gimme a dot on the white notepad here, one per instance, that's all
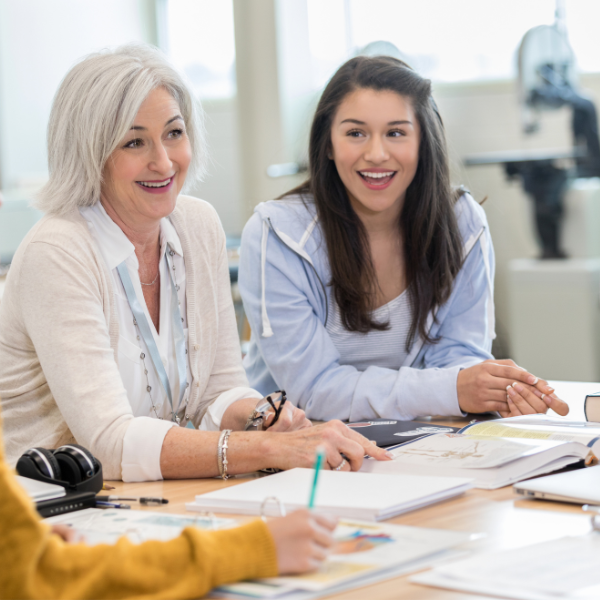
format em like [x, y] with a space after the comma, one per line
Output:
[349, 495]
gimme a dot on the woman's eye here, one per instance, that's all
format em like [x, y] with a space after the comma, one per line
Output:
[137, 143]
[354, 133]
[175, 133]
[396, 133]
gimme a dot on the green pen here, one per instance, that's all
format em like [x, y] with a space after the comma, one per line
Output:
[318, 465]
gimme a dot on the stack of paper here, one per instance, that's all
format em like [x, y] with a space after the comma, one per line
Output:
[364, 554]
[344, 494]
[556, 570]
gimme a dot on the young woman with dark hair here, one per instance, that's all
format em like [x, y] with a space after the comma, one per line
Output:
[369, 288]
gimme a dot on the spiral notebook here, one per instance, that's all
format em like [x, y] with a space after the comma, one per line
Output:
[364, 496]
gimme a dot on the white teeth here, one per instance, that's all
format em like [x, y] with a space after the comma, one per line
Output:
[154, 184]
[376, 175]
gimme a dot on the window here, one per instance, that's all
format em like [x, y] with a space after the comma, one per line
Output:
[201, 44]
[462, 40]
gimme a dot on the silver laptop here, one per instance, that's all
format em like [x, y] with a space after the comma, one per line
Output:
[581, 486]
[40, 490]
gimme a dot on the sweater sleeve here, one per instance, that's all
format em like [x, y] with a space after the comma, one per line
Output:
[37, 564]
[227, 377]
[62, 311]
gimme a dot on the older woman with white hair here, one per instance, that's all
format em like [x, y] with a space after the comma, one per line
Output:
[117, 328]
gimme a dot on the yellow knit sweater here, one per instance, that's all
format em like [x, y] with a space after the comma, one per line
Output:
[36, 564]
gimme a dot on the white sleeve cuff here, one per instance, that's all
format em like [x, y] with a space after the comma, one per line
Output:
[213, 416]
[142, 446]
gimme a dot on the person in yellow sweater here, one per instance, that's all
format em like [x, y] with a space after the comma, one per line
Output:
[38, 563]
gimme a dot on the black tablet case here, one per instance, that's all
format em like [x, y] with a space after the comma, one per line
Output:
[387, 432]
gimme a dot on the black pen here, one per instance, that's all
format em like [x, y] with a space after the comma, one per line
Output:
[103, 504]
[147, 501]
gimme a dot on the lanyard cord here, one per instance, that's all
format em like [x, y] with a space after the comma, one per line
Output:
[144, 328]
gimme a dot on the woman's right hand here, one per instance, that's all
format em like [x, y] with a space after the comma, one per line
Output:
[302, 540]
[298, 448]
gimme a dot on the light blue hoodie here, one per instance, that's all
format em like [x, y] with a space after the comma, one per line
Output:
[284, 279]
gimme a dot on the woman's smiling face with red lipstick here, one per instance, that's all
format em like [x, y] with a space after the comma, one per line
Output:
[375, 146]
[144, 175]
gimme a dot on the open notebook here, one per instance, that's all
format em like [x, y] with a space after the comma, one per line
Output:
[350, 495]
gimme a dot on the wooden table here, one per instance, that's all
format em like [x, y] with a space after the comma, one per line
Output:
[506, 520]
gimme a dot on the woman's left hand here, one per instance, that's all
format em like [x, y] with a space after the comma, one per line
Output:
[291, 418]
[527, 400]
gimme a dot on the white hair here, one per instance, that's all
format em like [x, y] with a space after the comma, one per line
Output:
[93, 110]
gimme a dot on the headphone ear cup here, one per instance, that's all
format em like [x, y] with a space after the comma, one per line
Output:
[39, 461]
[77, 463]
[70, 469]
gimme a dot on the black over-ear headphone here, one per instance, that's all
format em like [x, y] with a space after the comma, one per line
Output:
[72, 466]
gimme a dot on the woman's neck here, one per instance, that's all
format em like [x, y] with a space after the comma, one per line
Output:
[381, 225]
[145, 238]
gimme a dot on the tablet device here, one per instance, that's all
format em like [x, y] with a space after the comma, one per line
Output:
[40, 490]
[581, 486]
[388, 432]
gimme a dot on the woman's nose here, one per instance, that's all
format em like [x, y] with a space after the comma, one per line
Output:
[160, 160]
[376, 151]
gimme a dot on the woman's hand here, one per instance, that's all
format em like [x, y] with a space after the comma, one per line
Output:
[298, 448]
[302, 540]
[485, 387]
[63, 531]
[522, 400]
[291, 418]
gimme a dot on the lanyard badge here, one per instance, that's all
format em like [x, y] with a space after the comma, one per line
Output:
[143, 326]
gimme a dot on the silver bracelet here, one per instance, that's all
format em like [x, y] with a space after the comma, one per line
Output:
[222, 453]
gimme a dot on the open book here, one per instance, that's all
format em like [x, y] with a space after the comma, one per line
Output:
[496, 453]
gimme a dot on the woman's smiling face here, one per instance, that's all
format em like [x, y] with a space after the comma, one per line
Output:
[144, 175]
[375, 139]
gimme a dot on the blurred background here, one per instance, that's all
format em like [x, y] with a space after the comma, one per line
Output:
[258, 67]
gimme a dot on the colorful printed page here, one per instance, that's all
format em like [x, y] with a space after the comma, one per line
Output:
[539, 427]
[106, 526]
[362, 549]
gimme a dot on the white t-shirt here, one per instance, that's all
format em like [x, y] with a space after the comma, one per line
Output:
[376, 348]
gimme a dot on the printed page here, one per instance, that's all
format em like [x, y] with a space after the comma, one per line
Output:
[106, 526]
[361, 550]
[454, 450]
[539, 427]
[567, 567]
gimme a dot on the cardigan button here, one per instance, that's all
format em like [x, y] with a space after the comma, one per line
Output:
[196, 346]
[197, 384]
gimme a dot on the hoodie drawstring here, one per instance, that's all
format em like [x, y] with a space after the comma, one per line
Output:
[491, 318]
[266, 324]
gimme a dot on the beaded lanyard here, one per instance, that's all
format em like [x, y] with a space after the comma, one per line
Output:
[141, 322]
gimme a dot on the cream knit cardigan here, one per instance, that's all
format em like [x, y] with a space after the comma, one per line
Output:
[59, 334]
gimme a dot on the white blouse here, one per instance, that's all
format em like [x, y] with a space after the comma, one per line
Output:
[145, 435]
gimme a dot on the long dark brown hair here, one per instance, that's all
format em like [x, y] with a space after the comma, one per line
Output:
[427, 224]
